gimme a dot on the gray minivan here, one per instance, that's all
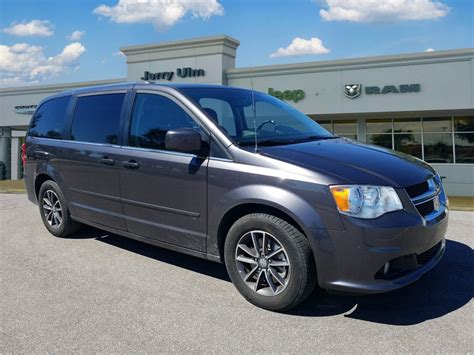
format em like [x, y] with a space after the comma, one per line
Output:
[238, 177]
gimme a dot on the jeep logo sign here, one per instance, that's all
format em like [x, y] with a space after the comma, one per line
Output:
[293, 95]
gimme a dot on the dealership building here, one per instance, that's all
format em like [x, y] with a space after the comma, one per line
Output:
[418, 103]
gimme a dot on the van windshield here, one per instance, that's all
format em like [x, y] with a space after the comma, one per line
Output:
[272, 121]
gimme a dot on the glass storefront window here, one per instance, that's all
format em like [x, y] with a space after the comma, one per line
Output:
[427, 138]
[346, 128]
[326, 124]
[383, 140]
[464, 147]
[464, 124]
[343, 128]
[438, 147]
[407, 125]
[437, 125]
[378, 126]
[464, 139]
[409, 143]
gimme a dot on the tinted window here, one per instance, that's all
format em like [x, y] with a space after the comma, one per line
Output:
[97, 118]
[153, 116]
[49, 119]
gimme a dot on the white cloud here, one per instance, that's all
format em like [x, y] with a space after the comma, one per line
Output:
[430, 50]
[118, 54]
[76, 35]
[22, 63]
[300, 46]
[41, 28]
[161, 13]
[383, 10]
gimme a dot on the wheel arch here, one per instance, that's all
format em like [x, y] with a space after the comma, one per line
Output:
[236, 212]
[40, 180]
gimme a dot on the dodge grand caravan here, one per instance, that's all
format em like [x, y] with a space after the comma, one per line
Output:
[238, 177]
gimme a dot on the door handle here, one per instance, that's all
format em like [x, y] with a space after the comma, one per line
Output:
[131, 164]
[107, 161]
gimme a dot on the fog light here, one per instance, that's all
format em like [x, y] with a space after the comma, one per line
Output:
[386, 267]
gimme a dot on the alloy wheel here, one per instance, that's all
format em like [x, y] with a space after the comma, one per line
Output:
[52, 208]
[262, 262]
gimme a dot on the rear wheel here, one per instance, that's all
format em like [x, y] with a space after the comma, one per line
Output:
[269, 261]
[54, 211]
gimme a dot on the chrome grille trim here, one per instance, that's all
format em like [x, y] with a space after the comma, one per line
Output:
[433, 190]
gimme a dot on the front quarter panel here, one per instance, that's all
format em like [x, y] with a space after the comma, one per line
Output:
[232, 184]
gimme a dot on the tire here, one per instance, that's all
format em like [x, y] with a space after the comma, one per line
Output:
[276, 288]
[54, 211]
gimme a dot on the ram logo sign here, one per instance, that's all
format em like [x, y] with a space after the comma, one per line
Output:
[392, 89]
[352, 90]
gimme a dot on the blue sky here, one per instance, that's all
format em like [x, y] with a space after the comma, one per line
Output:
[35, 48]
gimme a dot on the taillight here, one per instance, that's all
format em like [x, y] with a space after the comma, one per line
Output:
[23, 154]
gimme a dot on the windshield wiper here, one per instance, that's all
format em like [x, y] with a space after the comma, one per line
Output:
[313, 138]
[270, 142]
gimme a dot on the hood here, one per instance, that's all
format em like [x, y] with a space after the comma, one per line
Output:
[354, 162]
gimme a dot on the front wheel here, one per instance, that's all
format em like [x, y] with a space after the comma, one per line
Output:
[269, 261]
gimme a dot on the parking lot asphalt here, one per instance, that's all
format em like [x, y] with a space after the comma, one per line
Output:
[97, 292]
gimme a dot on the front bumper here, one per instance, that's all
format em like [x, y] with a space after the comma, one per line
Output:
[380, 255]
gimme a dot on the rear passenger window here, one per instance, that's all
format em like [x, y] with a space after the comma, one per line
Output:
[97, 118]
[48, 121]
[153, 116]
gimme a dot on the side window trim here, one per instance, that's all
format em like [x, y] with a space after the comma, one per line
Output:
[127, 118]
[127, 103]
[69, 115]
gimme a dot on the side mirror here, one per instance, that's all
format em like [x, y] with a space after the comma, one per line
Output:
[185, 140]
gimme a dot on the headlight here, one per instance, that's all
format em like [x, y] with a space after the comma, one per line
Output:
[365, 201]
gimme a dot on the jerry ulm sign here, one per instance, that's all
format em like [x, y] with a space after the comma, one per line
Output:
[168, 75]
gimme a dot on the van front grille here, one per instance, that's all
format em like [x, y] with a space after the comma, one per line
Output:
[418, 189]
[425, 208]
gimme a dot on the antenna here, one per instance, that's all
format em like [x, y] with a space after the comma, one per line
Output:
[254, 108]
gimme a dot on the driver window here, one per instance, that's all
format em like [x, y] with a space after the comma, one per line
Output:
[221, 112]
[153, 116]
